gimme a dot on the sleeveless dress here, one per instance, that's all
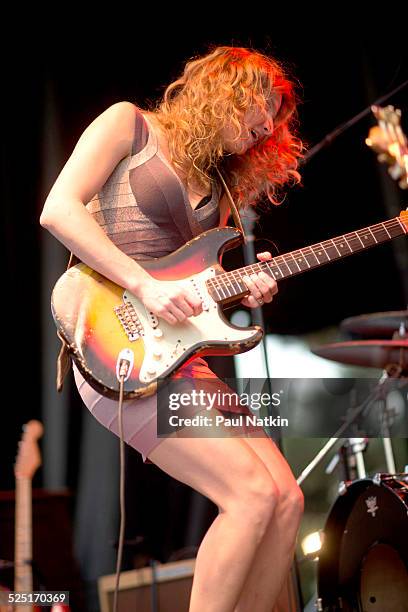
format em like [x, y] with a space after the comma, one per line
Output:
[144, 209]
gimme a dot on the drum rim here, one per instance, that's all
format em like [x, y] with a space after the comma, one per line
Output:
[337, 517]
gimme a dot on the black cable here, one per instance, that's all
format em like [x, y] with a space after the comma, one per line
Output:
[257, 313]
[347, 124]
[121, 486]
[154, 593]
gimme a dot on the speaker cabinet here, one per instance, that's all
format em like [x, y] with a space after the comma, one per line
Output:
[173, 584]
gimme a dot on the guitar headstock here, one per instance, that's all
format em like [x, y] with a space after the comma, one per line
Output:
[403, 217]
[28, 458]
[388, 139]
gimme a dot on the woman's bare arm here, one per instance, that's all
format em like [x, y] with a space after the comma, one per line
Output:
[104, 143]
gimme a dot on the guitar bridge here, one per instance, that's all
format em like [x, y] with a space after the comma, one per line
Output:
[130, 321]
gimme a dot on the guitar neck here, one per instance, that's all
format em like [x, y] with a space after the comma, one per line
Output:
[23, 580]
[229, 286]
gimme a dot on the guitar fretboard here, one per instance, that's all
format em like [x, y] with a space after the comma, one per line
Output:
[23, 542]
[230, 286]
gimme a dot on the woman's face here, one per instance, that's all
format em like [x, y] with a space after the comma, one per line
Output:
[257, 126]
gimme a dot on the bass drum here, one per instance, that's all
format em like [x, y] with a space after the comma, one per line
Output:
[363, 563]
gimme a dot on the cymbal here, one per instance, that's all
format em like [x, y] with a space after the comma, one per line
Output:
[369, 353]
[377, 324]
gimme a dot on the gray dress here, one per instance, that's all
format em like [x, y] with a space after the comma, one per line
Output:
[144, 209]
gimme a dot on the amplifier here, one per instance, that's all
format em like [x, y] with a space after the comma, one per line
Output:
[173, 588]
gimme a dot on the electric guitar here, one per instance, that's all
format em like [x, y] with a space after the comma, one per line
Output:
[27, 462]
[390, 142]
[98, 319]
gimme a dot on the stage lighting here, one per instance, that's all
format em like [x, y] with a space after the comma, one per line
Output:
[312, 543]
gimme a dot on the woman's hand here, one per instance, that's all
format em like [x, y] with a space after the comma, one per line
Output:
[168, 300]
[262, 286]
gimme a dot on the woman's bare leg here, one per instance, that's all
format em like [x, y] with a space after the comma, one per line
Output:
[269, 571]
[232, 475]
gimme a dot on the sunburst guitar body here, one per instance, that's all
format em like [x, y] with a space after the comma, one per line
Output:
[98, 319]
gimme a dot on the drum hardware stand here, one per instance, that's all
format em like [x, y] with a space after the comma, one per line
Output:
[358, 446]
[387, 417]
[388, 414]
[350, 458]
[376, 394]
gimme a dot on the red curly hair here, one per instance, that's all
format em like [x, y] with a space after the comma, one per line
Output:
[221, 87]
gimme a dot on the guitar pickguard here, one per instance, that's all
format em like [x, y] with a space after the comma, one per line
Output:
[165, 344]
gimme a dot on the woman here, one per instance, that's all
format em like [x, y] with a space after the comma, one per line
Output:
[156, 184]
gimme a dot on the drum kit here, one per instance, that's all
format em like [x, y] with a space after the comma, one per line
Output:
[363, 562]
[389, 350]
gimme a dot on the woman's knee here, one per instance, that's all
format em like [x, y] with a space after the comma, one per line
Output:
[256, 495]
[291, 500]
[226, 471]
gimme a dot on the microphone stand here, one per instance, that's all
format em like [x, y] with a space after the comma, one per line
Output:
[248, 221]
[329, 138]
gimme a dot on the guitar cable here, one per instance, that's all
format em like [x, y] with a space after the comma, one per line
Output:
[124, 367]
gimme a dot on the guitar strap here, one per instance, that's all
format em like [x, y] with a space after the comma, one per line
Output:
[233, 207]
[63, 359]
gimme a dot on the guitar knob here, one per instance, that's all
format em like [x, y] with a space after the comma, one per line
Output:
[151, 371]
[157, 354]
[158, 333]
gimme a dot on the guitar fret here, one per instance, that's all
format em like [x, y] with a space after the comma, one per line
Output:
[241, 284]
[222, 288]
[216, 288]
[342, 241]
[383, 224]
[365, 238]
[354, 242]
[304, 258]
[228, 287]
[404, 229]
[331, 250]
[294, 259]
[311, 252]
[381, 233]
[238, 289]
[394, 230]
[282, 261]
[375, 239]
[256, 268]
[358, 236]
[335, 246]
[291, 263]
[266, 268]
[271, 270]
[235, 284]
[300, 260]
[321, 252]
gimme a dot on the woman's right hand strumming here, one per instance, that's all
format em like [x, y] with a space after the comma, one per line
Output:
[168, 300]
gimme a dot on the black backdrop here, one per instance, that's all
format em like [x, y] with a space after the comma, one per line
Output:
[342, 63]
